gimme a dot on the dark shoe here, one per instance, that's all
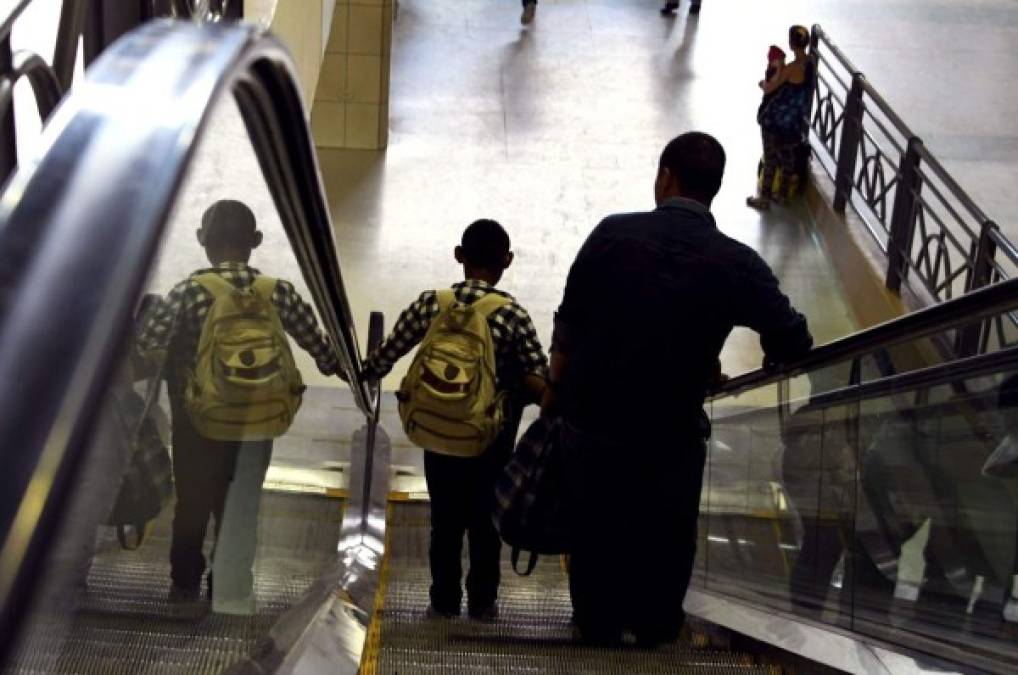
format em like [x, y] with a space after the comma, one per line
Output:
[186, 603]
[487, 614]
[432, 613]
[597, 637]
[655, 638]
[181, 594]
[669, 8]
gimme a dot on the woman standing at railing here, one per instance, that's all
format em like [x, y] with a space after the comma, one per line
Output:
[783, 121]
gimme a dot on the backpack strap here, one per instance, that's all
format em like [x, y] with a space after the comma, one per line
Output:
[265, 287]
[490, 303]
[446, 299]
[214, 284]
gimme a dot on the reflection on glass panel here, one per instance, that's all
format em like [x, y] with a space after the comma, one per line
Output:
[211, 498]
[818, 471]
[941, 514]
[750, 538]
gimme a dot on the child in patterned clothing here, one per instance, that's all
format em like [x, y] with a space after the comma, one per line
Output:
[218, 478]
[462, 488]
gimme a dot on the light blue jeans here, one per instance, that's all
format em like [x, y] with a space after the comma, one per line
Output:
[237, 543]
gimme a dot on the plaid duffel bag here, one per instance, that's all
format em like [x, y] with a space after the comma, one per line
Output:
[530, 500]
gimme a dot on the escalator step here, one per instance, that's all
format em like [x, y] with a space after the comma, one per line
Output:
[533, 633]
[123, 623]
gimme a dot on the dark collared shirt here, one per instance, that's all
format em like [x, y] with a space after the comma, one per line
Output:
[518, 350]
[176, 322]
[649, 302]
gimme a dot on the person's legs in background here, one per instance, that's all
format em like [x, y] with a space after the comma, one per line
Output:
[762, 201]
[785, 156]
[237, 530]
[529, 11]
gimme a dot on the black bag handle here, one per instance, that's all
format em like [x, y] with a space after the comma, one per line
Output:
[531, 562]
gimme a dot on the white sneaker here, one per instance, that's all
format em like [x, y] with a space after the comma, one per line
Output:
[1011, 606]
[1011, 611]
[529, 11]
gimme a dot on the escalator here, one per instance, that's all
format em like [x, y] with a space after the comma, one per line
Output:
[341, 567]
[533, 633]
[122, 621]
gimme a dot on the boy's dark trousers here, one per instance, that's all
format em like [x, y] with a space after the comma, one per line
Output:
[462, 491]
[202, 473]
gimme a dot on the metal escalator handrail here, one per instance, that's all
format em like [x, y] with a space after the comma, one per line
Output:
[979, 304]
[80, 226]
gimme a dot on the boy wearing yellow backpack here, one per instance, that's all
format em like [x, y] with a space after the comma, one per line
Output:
[233, 387]
[479, 363]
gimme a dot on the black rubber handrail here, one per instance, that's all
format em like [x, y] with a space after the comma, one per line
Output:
[979, 304]
[80, 227]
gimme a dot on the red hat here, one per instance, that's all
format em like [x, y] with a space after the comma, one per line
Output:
[775, 53]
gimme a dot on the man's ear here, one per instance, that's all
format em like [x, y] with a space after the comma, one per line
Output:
[458, 254]
[200, 233]
[666, 177]
[256, 240]
[508, 260]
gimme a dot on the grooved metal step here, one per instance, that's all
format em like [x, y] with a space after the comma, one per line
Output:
[533, 633]
[121, 621]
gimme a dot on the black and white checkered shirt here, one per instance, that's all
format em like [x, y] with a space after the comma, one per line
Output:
[188, 304]
[518, 350]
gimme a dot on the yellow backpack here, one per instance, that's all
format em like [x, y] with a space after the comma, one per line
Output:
[245, 385]
[448, 401]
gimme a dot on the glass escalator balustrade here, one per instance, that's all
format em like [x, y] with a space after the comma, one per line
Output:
[874, 508]
[212, 495]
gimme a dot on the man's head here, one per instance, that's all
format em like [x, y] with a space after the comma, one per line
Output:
[691, 166]
[228, 232]
[484, 251]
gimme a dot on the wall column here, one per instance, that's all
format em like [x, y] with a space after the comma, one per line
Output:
[351, 107]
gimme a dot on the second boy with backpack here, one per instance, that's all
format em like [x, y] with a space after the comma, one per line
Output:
[233, 388]
[463, 414]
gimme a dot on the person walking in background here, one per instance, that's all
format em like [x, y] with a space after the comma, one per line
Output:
[648, 305]
[529, 12]
[212, 476]
[783, 122]
[670, 7]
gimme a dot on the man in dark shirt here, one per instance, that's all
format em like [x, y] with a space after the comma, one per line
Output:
[649, 302]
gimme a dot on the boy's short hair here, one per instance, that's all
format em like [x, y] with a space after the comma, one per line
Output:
[697, 161]
[485, 244]
[228, 221]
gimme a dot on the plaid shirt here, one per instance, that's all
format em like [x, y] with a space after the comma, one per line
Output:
[518, 350]
[188, 304]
